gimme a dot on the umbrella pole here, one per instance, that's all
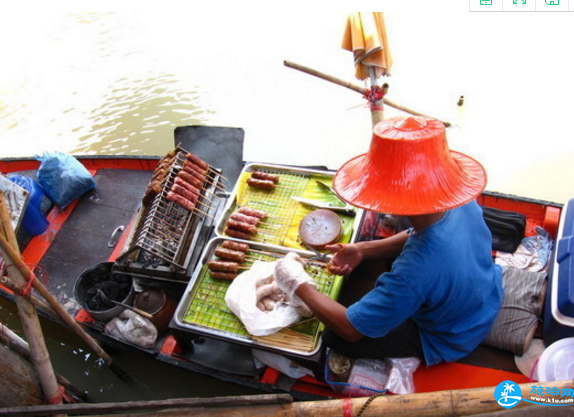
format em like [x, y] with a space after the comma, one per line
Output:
[377, 110]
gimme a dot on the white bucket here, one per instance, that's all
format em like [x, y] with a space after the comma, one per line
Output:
[557, 361]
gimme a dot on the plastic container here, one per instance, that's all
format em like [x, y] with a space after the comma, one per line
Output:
[559, 306]
[557, 361]
[367, 377]
[34, 222]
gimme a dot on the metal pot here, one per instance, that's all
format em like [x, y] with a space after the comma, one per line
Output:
[159, 305]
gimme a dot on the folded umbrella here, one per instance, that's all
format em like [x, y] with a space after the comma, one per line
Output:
[365, 35]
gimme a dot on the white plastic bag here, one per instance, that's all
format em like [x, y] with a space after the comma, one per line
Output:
[133, 328]
[241, 299]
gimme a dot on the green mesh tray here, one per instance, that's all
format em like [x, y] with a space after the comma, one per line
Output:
[283, 212]
[203, 309]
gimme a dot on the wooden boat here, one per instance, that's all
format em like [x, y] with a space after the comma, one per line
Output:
[96, 227]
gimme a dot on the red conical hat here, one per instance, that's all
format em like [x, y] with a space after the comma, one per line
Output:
[409, 170]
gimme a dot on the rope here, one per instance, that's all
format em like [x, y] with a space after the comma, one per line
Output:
[26, 290]
[376, 93]
[57, 399]
[371, 398]
[347, 407]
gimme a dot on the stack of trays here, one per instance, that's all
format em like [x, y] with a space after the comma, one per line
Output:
[202, 309]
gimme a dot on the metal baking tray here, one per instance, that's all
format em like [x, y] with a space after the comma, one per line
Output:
[202, 308]
[280, 227]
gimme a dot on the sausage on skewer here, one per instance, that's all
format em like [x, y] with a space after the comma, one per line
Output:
[230, 254]
[223, 275]
[182, 201]
[244, 218]
[248, 211]
[229, 244]
[196, 160]
[263, 184]
[237, 234]
[242, 227]
[265, 176]
[223, 266]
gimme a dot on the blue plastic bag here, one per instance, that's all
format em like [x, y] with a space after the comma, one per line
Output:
[63, 178]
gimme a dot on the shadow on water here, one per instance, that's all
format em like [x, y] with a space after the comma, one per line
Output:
[140, 115]
[147, 379]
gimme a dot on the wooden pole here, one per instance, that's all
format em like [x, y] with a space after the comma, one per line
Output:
[22, 348]
[466, 402]
[39, 355]
[356, 88]
[24, 271]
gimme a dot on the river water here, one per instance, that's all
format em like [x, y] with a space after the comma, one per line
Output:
[119, 83]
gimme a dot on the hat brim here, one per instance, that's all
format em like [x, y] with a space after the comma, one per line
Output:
[370, 188]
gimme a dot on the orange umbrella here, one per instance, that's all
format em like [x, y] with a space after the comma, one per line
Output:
[366, 37]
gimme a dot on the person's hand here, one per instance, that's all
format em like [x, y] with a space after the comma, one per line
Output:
[290, 274]
[346, 258]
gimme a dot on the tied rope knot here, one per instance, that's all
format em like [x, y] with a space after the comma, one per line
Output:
[57, 399]
[374, 94]
[26, 289]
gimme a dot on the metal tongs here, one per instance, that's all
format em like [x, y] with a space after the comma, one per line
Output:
[319, 256]
[345, 210]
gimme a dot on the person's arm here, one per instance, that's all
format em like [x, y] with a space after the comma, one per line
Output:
[384, 248]
[329, 312]
[348, 256]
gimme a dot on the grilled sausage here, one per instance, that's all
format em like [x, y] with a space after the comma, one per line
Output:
[194, 170]
[244, 218]
[196, 160]
[237, 234]
[263, 184]
[182, 201]
[182, 191]
[181, 182]
[248, 211]
[223, 266]
[238, 246]
[230, 254]
[223, 275]
[186, 176]
[242, 227]
[260, 175]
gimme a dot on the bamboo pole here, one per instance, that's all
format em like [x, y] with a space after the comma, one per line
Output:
[355, 88]
[39, 355]
[22, 348]
[466, 402]
[24, 271]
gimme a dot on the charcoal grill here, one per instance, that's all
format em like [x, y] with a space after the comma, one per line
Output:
[162, 242]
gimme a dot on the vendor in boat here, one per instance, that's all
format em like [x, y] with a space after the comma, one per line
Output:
[444, 291]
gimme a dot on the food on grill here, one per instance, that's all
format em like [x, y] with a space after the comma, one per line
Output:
[248, 211]
[263, 184]
[237, 234]
[186, 176]
[223, 266]
[195, 171]
[223, 275]
[242, 227]
[265, 176]
[153, 189]
[181, 182]
[230, 254]
[182, 201]
[185, 193]
[196, 160]
[244, 218]
[229, 244]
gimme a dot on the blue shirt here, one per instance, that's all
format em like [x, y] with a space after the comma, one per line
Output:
[445, 280]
